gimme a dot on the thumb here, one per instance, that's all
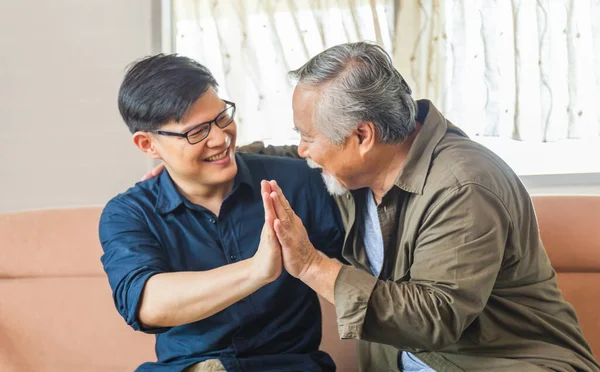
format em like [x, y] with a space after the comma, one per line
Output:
[264, 232]
[270, 232]
[280, 232]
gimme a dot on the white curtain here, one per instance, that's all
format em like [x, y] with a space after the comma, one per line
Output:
[520, 69]
[250, 45]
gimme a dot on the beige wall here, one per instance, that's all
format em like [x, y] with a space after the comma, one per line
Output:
[62, 141]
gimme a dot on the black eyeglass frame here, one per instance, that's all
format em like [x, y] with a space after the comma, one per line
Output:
[208, 124]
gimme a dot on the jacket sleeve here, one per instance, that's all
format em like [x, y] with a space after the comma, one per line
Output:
[458, 254]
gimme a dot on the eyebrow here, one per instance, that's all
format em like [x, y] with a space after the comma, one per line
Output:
[301, 132]
[191, 126]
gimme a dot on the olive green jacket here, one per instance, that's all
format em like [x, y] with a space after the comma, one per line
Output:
[466, 283]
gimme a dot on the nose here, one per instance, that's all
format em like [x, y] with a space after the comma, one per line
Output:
[218, 137]
[303, 150]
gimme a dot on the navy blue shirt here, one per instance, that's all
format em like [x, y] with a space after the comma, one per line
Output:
[152, 228]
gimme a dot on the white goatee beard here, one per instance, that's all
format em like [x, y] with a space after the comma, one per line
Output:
[334, 187]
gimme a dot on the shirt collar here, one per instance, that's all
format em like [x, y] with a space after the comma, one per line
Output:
[412, 176]
[169, 197]
[243, 175]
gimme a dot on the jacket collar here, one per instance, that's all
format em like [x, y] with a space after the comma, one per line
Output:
[413, 174]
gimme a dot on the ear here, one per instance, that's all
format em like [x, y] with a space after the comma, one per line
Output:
[146, 143]
[366, 136]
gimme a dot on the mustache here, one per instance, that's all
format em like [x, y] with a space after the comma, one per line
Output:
[313, 164]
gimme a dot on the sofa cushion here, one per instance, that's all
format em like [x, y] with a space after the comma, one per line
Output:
[569, 226]
[66, 324]
[58, 242]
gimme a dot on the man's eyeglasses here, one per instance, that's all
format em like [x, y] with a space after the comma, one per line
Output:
[201, 131]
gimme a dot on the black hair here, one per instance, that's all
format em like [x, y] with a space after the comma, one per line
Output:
[161, 88]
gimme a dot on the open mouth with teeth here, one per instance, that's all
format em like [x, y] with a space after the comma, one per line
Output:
[218, 157]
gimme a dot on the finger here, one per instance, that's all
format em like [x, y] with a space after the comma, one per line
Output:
[280, 231]
[284, 201]
[263, 232]
[270, 213]
[268, 233]
[155, 172]
[280, 211]
[265, 186]
[272, 236]
[159, 168]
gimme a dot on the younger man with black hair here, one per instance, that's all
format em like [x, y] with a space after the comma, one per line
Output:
[189, 255]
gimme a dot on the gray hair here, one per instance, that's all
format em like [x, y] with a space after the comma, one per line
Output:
[358, 83]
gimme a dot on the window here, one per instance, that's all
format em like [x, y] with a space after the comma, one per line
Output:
[251, 45]
[520, 76]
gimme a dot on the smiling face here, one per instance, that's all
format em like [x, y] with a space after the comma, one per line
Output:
[339, 162]
[211, 162]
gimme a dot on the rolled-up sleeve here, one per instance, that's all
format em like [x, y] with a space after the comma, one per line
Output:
[352, 291]
[457, 256]
[131, 256]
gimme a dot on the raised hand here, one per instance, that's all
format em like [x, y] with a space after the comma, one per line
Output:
[267, 261]
[298, 251]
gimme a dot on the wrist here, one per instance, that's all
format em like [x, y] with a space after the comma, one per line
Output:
[255, 274]
[321, 276]
[312, 268]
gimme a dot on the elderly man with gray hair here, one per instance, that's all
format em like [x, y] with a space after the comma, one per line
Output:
[448, 271]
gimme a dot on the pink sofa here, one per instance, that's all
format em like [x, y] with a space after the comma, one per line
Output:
[56, 311]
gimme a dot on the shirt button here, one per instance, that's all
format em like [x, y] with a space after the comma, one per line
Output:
[232, 257]
[212, 220]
